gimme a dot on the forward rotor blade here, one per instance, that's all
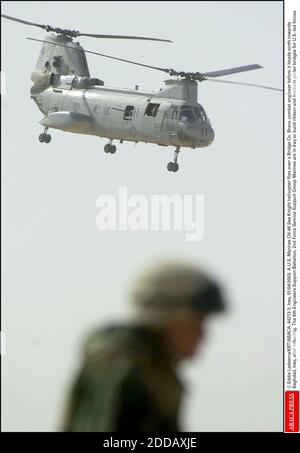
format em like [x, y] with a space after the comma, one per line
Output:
[124, 37]
[245, 84]
[223, 72]
[22, 21]
[103, 55]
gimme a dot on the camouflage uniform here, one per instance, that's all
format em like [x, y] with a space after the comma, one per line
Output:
[127, 383]
[128, 380]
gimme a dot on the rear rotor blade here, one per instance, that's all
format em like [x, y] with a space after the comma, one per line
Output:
[245, 84]
[103, 55]
[23, 21]
[74, 33]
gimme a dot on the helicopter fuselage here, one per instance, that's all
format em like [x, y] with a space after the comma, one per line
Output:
[122, 114]
[72, 101]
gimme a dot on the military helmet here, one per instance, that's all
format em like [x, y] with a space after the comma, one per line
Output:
[169, 289]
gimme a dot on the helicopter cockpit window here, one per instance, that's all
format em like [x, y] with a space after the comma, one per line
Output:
[151, 109]
[128, 112]
[200, 114]
[174, 115]
[186, 114]
[197, 113]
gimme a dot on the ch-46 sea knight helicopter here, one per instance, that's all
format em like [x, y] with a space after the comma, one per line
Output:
[72, 101]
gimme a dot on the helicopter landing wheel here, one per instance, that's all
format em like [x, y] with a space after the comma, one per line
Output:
[174, 166]
[44, 137]
[109, 148]
[47, 138]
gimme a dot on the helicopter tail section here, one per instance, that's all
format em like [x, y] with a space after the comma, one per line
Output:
[59, 55]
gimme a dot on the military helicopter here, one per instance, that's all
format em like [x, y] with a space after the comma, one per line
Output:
[72, 101]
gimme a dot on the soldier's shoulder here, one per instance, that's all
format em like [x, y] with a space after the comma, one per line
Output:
[114, 342]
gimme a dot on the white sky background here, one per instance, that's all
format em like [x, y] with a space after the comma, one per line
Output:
[61, 276]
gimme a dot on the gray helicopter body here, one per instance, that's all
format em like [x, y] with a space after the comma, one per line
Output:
[72, 101]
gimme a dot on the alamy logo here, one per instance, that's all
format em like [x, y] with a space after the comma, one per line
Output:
[152, 213]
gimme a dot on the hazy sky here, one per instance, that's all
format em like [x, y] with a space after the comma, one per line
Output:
[61, 276]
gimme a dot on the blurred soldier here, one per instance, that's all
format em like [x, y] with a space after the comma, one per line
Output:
[128, 380]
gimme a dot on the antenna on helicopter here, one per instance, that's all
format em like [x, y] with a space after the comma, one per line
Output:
[75, 34]
[197, 76]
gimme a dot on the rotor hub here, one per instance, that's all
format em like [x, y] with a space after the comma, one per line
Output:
[187, 75]
[62, 31]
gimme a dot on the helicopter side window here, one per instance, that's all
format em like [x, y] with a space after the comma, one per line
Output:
[151, 109]
[128, 112]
